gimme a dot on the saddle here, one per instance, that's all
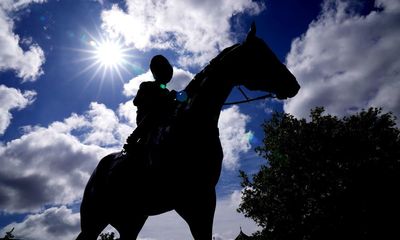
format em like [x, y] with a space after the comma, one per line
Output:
[146, 151]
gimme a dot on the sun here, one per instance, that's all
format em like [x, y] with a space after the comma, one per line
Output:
[105, 60]
[109, 53]
[109, 57]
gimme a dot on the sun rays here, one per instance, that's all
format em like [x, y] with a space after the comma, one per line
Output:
[105, 59]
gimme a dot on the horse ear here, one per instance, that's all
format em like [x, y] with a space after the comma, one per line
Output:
[252, 32]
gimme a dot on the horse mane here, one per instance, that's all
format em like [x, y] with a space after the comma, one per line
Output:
[196, 83]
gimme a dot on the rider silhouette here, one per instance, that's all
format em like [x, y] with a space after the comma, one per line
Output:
[153, 100]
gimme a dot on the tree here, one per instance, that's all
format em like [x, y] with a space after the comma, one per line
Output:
[9, 235]
[108, 236]
[328, 178]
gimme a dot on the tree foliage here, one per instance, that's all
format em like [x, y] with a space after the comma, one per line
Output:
[108, 236]
[9, 235]
[327, 178]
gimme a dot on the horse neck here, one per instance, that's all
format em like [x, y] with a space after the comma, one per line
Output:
[214, 87]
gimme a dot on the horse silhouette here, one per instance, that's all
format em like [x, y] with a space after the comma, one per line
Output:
[125, 189]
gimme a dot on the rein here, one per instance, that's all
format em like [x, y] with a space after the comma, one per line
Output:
[269, 95]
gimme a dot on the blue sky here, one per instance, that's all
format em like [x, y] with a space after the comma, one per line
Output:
[63, 106]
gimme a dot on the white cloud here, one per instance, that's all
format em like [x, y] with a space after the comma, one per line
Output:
[105, 127]
[346, 62]
[53, 223]
[27, 64]
[131, 88]
[15, 5]
[44, 167]
[11, 98]
[234, 137]
[197, 30]
[127, 112]
[61, 223]
[48, 166]
[179, 81]
[227, 223]
[99, 1]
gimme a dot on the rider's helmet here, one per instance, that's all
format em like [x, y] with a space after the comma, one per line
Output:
[161, 69]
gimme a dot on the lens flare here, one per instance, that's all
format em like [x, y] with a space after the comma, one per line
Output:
[181, 96]
[250, 137]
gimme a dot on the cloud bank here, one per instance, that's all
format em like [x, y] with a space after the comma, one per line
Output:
[64, 224]
[196, 30]
[26, 64]
[50, 166]
[346, 61]
[53, 223]
[11, 98]
[227, 223]
[233, 135]
[179, 81]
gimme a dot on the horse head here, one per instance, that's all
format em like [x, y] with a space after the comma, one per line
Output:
[260, 69]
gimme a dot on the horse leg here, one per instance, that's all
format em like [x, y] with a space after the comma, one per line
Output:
[199, 215]
[90, 231]
[129, 229]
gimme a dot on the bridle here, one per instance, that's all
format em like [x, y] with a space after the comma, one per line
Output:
[212, 66]
[268, 95]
